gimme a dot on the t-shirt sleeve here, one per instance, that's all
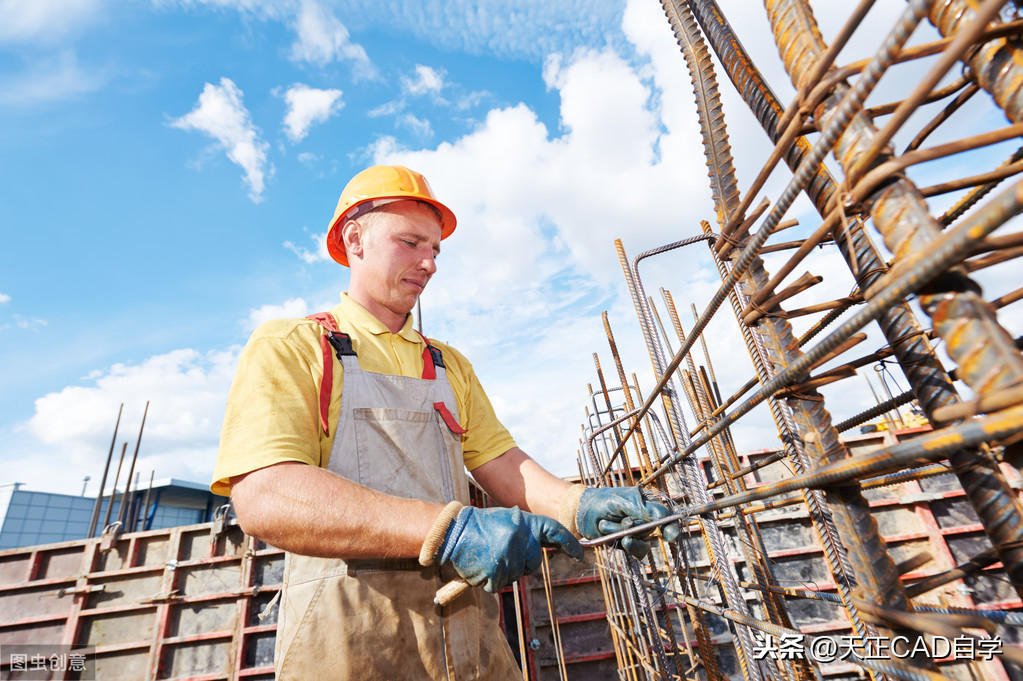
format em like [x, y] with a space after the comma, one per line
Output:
[271, 415]
[487, 438]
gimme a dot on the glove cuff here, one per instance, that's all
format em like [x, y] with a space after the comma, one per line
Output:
[569, 509]
[435, 537]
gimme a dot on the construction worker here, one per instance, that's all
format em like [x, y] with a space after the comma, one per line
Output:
[345, 443]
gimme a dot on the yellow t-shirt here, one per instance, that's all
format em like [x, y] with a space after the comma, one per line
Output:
[273, 411]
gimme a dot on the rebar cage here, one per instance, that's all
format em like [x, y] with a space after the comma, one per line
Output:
[916, 529]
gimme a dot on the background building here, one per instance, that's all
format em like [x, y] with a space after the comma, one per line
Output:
[29, 518]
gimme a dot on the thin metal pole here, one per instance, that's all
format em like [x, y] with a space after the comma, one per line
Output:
[103, 482]
[145, 501]
[887, 415]
[879, 368]
[113, 492]
[135, 509]
[122, 513]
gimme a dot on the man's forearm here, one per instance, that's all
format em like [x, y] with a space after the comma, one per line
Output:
[310, 511]
[514, 479]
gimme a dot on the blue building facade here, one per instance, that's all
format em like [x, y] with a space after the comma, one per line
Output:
[29, 518]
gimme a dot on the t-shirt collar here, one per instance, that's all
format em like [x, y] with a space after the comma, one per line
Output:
[363, 318]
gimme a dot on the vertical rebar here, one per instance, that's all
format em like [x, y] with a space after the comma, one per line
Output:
[122, 512]
[103, 481]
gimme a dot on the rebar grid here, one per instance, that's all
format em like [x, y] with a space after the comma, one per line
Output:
[703, 608]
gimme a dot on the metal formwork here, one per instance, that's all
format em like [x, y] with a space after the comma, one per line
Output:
[181, 603]
[197, 603]
[833, 542]
[556, 622]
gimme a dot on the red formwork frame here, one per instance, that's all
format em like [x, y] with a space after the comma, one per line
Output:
[68, 591]
[937, 539]
[68, 581]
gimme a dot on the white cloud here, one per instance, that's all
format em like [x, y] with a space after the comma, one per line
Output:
[529, 29]
[609, 172]
[34, 21]
[318, 254]
[306, 106]
[387, 108]
[534, 257]
[426, 81]
[265, 9]
[472, 100]
[321, 39]
[187, 391]
[50, 78]
[221, 115]
[289, 309]
[420, 128]
[28, 323]
[4, 298]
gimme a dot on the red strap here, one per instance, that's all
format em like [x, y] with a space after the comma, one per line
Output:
[429, 370]
[327, 321]
[430, 373]
[327, 384]
[449, 419]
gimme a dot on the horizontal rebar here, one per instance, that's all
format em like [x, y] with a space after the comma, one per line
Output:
[926, 448]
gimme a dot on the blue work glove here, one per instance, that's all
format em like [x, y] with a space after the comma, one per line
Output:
[496, 546]
[603, 510]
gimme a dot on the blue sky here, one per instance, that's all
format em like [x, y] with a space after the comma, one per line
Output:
[168, 168]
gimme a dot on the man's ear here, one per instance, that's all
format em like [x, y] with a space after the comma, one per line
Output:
[353, 239]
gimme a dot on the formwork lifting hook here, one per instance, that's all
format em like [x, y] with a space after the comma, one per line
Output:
[220, 522]
[110, 534]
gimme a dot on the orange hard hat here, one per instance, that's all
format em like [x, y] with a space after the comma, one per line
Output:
[375, 187]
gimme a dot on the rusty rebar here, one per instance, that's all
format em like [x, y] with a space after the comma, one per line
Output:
[935, 268]
[926, 448]
[926, 376]
[103, 482]
[986, 356]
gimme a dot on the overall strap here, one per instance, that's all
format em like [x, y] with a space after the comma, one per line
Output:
[433, 358]
[342, 346]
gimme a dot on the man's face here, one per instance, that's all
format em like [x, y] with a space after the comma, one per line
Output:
[395, 257]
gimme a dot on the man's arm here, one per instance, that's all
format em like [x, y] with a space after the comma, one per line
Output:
[308, 510]
[514, 479]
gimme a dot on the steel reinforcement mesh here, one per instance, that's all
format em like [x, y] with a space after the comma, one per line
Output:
[883, 542]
